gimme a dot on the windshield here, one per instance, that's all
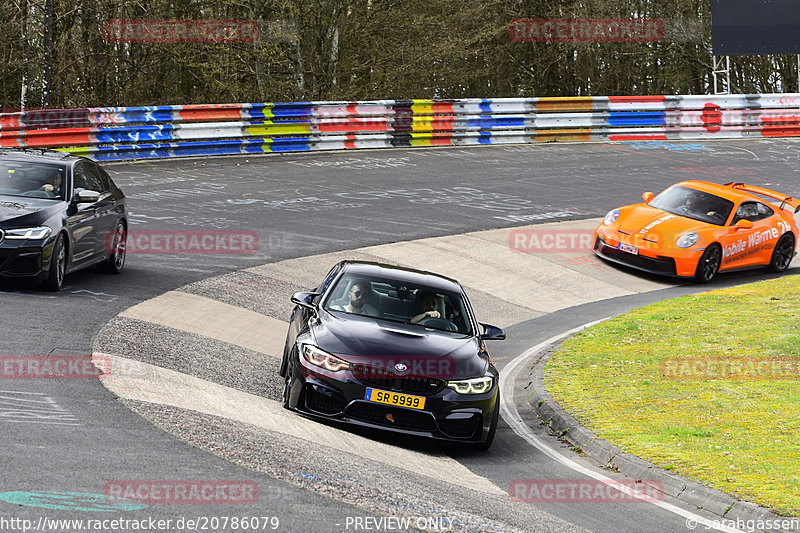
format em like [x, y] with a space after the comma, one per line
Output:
[37, 180]
[694, 204]
[399, 301]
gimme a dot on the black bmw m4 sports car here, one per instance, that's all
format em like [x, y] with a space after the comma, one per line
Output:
[58, 213]
[395, 349]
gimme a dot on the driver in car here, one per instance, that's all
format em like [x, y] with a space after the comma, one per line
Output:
[693, 206]
[428, 304]
[53, 182]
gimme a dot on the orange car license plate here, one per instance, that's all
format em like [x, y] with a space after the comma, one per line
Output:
[628, 248]
[395, 398]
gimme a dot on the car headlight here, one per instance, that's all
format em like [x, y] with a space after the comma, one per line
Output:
[472, 386]
[686, 240]
[323, 359]
[39, 232]
[611, 217]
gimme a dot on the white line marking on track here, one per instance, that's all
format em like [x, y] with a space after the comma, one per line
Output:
[33, 408]
[510, 414]
[48, 423]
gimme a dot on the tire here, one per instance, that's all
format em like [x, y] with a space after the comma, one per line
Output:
[492, 428]
[58, 266]
[709, 263]
[285, 357]
[287, 386]
[284, 365]
[783, 253]
[117, 250]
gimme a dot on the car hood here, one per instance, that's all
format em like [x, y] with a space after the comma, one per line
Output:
[426, 352]
[17, 212]
[642, 224]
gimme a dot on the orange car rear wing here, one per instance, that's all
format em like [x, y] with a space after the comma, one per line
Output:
[794, 202]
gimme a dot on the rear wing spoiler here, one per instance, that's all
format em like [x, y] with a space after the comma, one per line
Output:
[793, 202]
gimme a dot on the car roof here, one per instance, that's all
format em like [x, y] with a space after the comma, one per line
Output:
[725, 191]
[37, 155]
[411, 275]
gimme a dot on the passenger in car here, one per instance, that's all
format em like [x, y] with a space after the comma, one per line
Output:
[357, 304]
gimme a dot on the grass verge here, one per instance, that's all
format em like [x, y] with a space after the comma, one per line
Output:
[707, 386]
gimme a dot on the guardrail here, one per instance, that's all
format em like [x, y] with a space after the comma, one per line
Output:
[172, 131]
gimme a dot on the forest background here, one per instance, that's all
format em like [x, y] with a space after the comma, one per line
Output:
[56, 53]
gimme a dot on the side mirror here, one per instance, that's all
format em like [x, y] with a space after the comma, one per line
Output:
[87, 196]
[492, 333]
[305, 299]
[743, 224]
[647, 196]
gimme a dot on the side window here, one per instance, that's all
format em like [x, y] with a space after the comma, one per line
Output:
[97, 180]
[107, 182]
[80, 178]
[746, 211]
[764, 211]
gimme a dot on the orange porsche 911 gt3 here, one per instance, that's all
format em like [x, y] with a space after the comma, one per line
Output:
[696, 229]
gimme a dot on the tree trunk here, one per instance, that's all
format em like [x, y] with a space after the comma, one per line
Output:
[333, 38]
[23, 93]
[297, 62]
[259, 62]
[47, 78]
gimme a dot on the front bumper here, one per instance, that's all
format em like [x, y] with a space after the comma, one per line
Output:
[447, 415]
[662, 265]
[25, 259]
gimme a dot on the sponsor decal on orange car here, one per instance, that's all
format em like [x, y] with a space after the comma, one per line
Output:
[756, 242]
[655, 223]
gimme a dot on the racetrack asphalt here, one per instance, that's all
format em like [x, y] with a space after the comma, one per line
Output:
[319, 203]
[179, 370]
